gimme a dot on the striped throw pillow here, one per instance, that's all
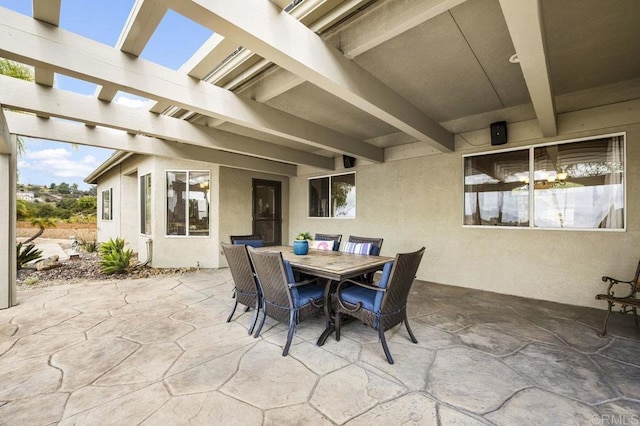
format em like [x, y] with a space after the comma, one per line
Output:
[357, 248]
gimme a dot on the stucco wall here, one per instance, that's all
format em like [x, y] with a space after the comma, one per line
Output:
[109, 228]
[418, 202]
[183, 251]
[236, 203]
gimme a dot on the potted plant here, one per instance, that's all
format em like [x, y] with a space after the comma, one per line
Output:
[301, 243]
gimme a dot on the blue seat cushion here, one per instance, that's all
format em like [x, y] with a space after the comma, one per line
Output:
[302, 294]
[355, 294]
[252, 243]
[384, 281]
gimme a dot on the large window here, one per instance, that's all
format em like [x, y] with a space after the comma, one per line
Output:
[568, 185]
[188, 203]
[145, 204]
[107, 209]
[333, 196]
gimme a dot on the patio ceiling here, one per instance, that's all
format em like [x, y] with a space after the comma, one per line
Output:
[326, 78]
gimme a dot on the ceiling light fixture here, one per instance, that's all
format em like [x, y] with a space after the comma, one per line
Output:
[514, 59]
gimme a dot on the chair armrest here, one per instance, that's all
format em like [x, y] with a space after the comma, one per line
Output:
[359, 304]
[358, 283]
[301, 283]
[613, 281]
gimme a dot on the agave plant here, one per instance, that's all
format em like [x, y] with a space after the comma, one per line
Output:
[114, 258]
[27, 253]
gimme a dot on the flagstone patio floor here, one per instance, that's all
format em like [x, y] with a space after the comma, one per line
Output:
[158, 351]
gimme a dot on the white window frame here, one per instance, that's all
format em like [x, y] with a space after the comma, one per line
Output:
[143, 207]
[166, 195]
[355, 179]
[531, 148]
[109, 191]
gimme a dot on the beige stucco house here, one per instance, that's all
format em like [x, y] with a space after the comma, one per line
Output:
[414, 90]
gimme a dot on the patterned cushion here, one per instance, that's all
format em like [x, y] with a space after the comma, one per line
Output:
[321, 245]
[357, 248]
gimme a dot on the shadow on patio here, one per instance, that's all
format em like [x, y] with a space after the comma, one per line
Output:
[159, 350]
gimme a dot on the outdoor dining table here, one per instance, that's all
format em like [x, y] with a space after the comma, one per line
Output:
[332, 266]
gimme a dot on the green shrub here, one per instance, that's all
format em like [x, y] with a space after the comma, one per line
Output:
[89, 246]
[115, 259]
[27, 253]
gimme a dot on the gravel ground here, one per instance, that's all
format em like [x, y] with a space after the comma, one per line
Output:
[86, 268]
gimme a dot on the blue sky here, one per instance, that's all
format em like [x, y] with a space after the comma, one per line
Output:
[175, 40]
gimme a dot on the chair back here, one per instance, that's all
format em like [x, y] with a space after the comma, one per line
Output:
[400, 280]
[336, 238]
[273, 279]
[241, 268]
[248, 240]
[636, 280]
[376, 243]
[235, 238]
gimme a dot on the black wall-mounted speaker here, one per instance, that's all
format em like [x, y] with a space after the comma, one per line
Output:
[499, 133]
[348, 162]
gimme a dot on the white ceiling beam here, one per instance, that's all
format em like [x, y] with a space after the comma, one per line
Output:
[28, 41]
[281, 3]
[259, 26]
[524, 21]
[25, 96]
[143, 20]
[63, 131]
[388, 19]
[207, 57]
[46, 11]
[5, 136]
[392, 18]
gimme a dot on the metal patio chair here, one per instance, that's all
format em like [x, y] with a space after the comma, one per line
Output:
[383, 306]
[246, 291]
[284, 299]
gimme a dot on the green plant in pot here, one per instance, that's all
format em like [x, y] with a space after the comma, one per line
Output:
[301, 243]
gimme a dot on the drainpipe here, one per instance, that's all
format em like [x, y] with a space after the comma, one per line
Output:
[149, 255]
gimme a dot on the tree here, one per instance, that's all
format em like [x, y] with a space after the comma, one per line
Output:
[52, 186]
[23, 72]
[63, 188]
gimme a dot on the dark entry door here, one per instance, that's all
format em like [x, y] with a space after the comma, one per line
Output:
[267, 211]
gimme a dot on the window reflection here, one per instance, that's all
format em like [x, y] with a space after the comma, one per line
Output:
[580, 184]
[496, 189]
[188, 204]
[333, 196]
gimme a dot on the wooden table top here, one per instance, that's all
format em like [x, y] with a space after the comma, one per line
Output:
[334, 265]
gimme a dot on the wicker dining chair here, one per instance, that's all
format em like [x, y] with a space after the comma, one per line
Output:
[383, 306]
[246, 291]
[336, 238]
[376, 243]
[376, 246]
[248, 240]
[284, 299]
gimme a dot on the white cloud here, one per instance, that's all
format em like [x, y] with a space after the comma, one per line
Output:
[51, 154]
[130, 102]
[59, 162]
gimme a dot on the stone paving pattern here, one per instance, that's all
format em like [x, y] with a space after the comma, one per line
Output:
[158, 351]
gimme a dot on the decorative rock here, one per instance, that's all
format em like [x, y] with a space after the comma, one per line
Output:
[48, 263]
